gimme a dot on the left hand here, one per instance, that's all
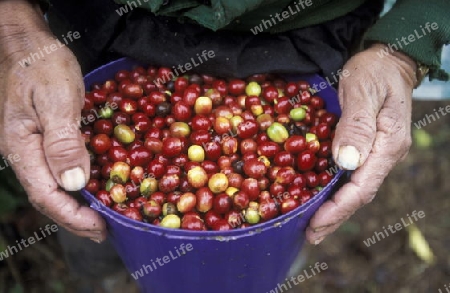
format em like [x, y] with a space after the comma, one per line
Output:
[373, 134]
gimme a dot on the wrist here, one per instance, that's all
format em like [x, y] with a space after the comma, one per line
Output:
[420, 70]
[414, 71]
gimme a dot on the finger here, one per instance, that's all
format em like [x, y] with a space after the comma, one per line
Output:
[59, 117]
[392, 142]
[359, 191]
[356, 130]
[34, 174]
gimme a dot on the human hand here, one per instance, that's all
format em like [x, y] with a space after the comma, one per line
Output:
[373, 134]
[36, 102]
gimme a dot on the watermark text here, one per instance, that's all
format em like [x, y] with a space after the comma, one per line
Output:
[378, 236]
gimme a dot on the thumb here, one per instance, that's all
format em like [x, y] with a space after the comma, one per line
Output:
[356, 130]
[63, 145]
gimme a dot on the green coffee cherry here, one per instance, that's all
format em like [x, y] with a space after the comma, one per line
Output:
[124, 133]
[252, 216]
[297, 114]
[171, 221]
[253, 89]
[148, 186]
[277, 132]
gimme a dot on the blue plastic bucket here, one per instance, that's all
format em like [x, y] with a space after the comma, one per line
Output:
[250, 260]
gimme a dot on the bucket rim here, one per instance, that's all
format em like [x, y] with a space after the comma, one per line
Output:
[211, 235]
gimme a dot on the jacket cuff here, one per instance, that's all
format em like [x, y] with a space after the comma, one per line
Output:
[419, 32]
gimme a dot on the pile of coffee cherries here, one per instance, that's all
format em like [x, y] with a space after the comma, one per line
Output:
[204, 153]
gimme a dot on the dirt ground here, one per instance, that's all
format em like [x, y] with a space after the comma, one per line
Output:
[419, 183]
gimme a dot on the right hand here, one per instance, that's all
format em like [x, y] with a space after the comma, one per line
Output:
[36, 102]
[373, 134]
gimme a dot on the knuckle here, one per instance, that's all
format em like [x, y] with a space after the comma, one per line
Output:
[361, 125]
[362, 116]
[396, 139]
[65, 209]
[364, 200]
[15, 132]
[407, 142]
[39, 191]
[390, 122]
[366, 191]
[63, 145]
[363, 119]
[38, 203]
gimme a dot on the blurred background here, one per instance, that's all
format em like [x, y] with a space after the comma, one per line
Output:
[397, 263]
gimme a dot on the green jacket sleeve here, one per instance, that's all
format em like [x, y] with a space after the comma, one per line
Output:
[418, 28]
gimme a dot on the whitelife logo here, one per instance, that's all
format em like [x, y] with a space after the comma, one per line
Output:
[291, 10]
[130, 6]
[427, 119]
[397, 226]
[318, 267]
[411, 38]
[9, 161]
[183, 68]
[33, 57]
[85, 120]
[179, 251]
[11, 250]
[316, 88]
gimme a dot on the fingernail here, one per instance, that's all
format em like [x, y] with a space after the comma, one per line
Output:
[318, 240]
[73, 179]
[96, 240]
[319, 229]
[348, 157]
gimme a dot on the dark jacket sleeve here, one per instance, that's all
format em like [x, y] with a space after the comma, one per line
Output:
[418, 28]
[161, 40]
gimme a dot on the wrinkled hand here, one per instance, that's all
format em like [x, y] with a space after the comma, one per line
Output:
[36, 102]
[373, 133]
